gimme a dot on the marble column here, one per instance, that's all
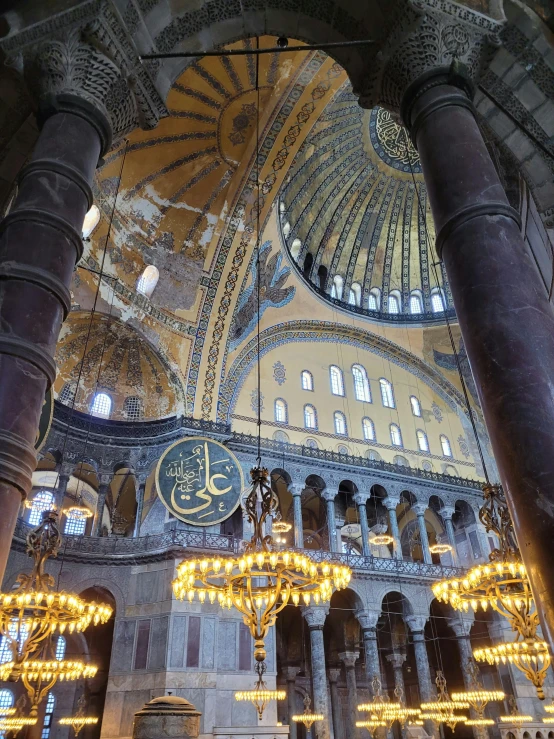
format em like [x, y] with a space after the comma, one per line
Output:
[390, 504]
[419, 509]
[361, 501]
[509, 338]
[461, 626]
[397, 661]
[100, 502]
[334, 674]
[368, 623]
[349, 661]
[296, 492]
[315, 617]
[61, 490]
[446, 514]
[290, 674]
[416, 624]
[330, 496]
[141, 486]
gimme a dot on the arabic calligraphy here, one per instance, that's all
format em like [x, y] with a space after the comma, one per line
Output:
[200, 481]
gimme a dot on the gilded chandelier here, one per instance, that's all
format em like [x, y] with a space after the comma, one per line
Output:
[261, 582]
[80, 719]
[477, 697]
[442, 710]
[503, 585]
[307, 717]
[34, 611]
[261, 695]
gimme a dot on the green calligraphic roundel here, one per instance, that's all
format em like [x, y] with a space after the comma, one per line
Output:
[199, 481]
[45, 420]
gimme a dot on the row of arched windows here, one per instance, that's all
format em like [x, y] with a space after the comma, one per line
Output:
[7, 701]
[368, 427]
[394, 298]
[75, 522]
[102, 404]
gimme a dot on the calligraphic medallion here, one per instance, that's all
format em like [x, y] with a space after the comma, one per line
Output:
[45, 420]
[199, 481]
[391, 142]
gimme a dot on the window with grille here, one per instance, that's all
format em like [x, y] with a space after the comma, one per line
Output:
[416, 406]
[310, 419]
[340, 423]
[395, 435]
[6, 701]
[132, 407]
[67, 393]
[148, 280]
[337, 381]
[42, 501]
[75, 523]
[374, 299]
[437, 303]
[368, 428]
[445, 444]
[352, 297]
[280, 411]
[307, 380]
[422, 441]
[394, 304]
[281, 437]
[101, 405]
[60, 648]
[373, 455]
[361, 383]
[387, 394]
[47, 725]
[6, 654]
[416, 306]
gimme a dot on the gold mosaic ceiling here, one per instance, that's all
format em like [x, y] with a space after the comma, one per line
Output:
[355, 206]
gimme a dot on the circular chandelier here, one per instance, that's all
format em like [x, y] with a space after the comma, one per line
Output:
[440, 548]
[371, 724]
[261, 695]
[16, 723]
[381, 540]
[33, 610]
[307, 718]
[80, 719]
[549, 708]
[280, 527]
[515, 718]
[531, 657]
[261, 582]
[443, 708]
[78, 511]
[380, 704]
[479, 722]
[548, 719]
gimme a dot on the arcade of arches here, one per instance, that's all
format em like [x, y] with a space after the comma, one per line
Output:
[354, 243]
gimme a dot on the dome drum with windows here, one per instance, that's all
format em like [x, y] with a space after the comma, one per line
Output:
[34, 611]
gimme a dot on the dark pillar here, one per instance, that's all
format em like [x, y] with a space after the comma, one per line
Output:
[141, 487]
[40, 242]
[61, 490]
[505, 317]
[100, 503]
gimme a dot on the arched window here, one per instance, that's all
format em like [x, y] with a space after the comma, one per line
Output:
[67, 393]
[101, 405]
[387, 394]
[450, 470]
[60, 648]
[416, 303]
[351, 297]
[6, 701]
[395, 302]
[361, 383]
[422, 441]
[91, 220]
[401, 461]
[281, 437]
[311, 444]
[281, 414]
[340, 423]
[6, 654]
[337, 381]
[374, 299]
[416, 406]
[42, 501]
[295, 249]
[286, 229]
[373, 455]
[395, 435]
[355, 295]
[47, 725]
[445, 444]
[307, 380]
[310, 417]
[148, 280]
[75, 523]
[132, 407]
[368, 428]
[341, 449]
[336, 290]
[437, 301]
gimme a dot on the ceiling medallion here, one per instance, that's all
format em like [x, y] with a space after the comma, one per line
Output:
[391, 142]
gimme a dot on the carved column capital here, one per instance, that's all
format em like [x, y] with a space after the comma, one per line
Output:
[427, 36]
[367, 619]
[296, 488]
[396, 659]
[446, 512]
[461, 626]
[390, 502]
[334, 674]
[416, 624]
[315, 616]
[419, 508]
[291, 673]
[349, 659]
[329, 495]
[361, 498]
[84, 62]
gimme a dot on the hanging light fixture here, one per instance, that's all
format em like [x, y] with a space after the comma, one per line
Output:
[261, 695]
[440, 548]
[381, 539]
[443, 708]
[549, 708]
[548, 719]
[307, 717]
[78, 511]
[380, 704]
[503, 585]
[371, 724]
[33, 610]
[477, 697]
[80, 719]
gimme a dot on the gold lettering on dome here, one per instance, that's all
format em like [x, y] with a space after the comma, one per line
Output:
[394, 139]
[196, 470]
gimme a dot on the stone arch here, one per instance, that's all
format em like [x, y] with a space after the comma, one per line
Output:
[111, 588]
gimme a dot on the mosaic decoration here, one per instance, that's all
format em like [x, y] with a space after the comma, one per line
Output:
[464, 446]
[257, 400]
[199, 481]
[448, 362]
[279, 373]
[273, 293]
[391, 141]
[437, 413]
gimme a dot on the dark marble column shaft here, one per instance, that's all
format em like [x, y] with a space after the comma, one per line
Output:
[100, 503]
[40, 243]
[506, 319]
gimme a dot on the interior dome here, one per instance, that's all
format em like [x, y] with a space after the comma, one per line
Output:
[355, 218]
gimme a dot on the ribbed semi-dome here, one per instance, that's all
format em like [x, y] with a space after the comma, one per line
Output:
[355, 217]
